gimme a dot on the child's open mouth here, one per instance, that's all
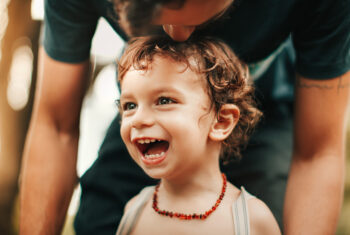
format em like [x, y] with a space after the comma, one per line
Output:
[152, 150]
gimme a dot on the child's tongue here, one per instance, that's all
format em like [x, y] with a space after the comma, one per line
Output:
[157, 148]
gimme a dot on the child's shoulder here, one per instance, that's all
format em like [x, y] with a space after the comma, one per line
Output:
[142, 196]
[249, 209]
[261, 218]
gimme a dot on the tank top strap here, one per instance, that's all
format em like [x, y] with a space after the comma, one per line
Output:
[130, 217]
[241, 214]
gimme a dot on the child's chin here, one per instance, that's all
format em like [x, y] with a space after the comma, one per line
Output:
[154, 174]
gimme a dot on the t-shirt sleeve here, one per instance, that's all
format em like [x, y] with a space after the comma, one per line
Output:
[322, 40]
[69, 26]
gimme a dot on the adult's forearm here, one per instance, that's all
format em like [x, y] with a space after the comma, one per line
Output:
[47, 179]
[314, 194]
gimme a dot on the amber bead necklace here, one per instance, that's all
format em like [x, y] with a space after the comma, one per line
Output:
[183, 216]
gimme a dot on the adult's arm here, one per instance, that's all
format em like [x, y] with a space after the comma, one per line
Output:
[48, 173]
[316, 181]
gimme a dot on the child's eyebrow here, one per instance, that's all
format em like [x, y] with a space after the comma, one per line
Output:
[163, 89]
[168, 91]
[155, 90]
[124, 96]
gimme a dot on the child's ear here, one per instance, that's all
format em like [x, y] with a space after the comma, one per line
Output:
[224, 123]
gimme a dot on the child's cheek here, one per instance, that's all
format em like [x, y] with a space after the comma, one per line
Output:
[125, 132]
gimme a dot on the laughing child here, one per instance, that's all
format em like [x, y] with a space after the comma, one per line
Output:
[183, 106]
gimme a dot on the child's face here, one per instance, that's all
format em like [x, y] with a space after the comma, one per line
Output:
[166, 119]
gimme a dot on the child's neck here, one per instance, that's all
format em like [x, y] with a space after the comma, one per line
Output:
[193, 184]
[196, 181]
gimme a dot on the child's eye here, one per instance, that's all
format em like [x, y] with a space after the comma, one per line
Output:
[165, 100]
[129, 106]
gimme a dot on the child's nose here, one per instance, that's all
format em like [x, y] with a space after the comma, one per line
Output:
[143, 118]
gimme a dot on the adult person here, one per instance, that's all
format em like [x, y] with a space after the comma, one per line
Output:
[270, 35]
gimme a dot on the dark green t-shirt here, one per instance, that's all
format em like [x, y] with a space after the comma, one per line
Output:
[320, 31]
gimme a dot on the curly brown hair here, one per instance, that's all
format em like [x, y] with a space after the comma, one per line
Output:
[227, 77]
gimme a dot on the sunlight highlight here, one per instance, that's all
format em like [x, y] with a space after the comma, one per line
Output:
[20, 77]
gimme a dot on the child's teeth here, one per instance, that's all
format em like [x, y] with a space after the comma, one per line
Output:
[147, 141]
[154, 155]
[151, 155]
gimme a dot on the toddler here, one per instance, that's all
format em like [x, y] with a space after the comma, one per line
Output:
[185, 105]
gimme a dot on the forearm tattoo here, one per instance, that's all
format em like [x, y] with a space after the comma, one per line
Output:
[343, 84]
[319, 85]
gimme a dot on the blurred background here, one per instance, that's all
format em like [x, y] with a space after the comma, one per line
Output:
[20, 24]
